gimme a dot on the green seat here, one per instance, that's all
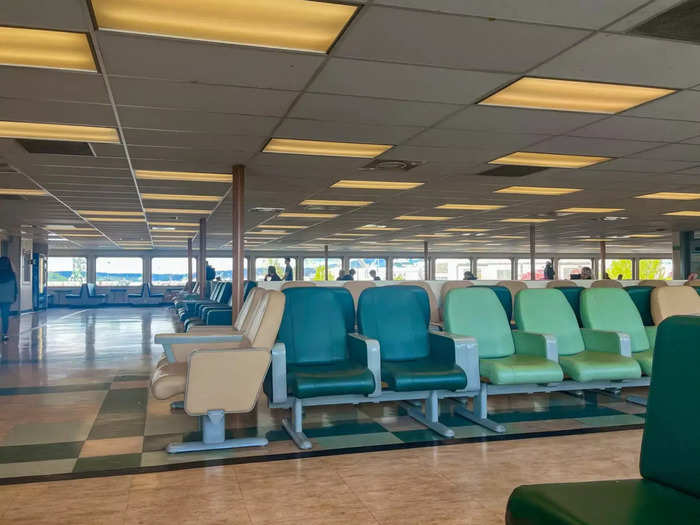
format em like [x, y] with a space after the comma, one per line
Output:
[504, 296]
[520, 369]
[613, 310]
[547, 311]
[670, 460]
[422, 374]
[641, 297]
[327, 379]
[573, 296]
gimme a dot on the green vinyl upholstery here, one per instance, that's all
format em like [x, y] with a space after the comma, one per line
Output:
[670, 460]
[477, 312]
[504, 296]
[641, 297]
[398, 317]
[573, 296]
[547, 311]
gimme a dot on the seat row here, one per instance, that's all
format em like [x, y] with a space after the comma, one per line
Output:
[88, 296]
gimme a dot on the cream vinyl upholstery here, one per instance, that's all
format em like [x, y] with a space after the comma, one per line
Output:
[653, 282]
[606, 283]
[434, 310]
[561, 283]
[667, 301]
[357, 287]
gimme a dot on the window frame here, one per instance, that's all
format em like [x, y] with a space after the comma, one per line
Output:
[128, 284]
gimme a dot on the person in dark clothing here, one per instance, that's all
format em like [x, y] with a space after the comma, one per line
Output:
[351, 275]
[373, 275]
[549, 271]
[288, 272]
[210, 272]
[469, 276]
[8, 293]
[341, 275]
[272, 274]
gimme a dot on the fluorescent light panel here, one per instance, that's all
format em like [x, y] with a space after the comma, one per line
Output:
[370, 227]
[421, 218]
[376, 185]
[308, 215]
[548, 160]
[318, 202]
[22, 192]
[183, 176]
[475, 207]
[177, 197]
[686, 213]
[589, 210]
[50, 49]
[666, 195]
[537, 190]
[572, 95]
[323, 148]
[470, 230]
[166, 223]
[175, 211]
[526, 220]
[281, 226]
[115, 219]
[645, 235]
[66, 132]
[107, 212]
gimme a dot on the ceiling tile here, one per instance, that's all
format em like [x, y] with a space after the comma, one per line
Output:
[448, 138]
[52, 84]
[461, 156]
[686, 152]
[344, 132]
[644, 165]
[650, 10]
[591, 146]
[56, 112]
[640, 129]
[684, 105]
[175, 139]
[69, 15]
[198, 154]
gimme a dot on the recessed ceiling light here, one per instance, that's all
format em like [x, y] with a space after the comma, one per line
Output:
[671, 196]
[526, 220]
[282, 24]
[686, 213]
[50, 49]
[590, 210]
[107, 212]
[476, 207]
[316, 202]
[414, 241]
[161, 237]
[571, 95]
[281, 226]
[36, 130]
[176, 211]
[507, 236]
[376, 185]
[183, 175]
[308, 215]
[433, 235]
[160, 223]
[115, 219]
[318, 147]
[472, 240]
[598, 240]
[421, 218]
[68, 227]
[645, 235]
[267, 232]
[536, 190]
[176, 197]
[22, 192]
[354, 234]
[548, 160]
[470, 230]
[79, 235]
[377, 227]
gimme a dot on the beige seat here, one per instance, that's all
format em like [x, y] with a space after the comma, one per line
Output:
[561, 283]
[667, 301]
[434, 310]
[220, 378]
[653, 282]
[606, 283]
[694, 283]
[514, 287]
[357, 287]
[447, 286]
[296, 284]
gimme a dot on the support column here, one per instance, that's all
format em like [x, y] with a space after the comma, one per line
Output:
[189, 263]
[603, 253]
[533, 249]
[426, 262]
[325, 258]
[237, 247]
[202, 278]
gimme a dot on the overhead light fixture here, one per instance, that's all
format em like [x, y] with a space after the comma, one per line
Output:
[377, 227]
[176, 197]
[645, 235]
[599, 240]
[115, 219]
[434, 235]
[507, 236]
[68, 227]
[183, 176]
[282, 226]
[475, 207]
[376, 185]
[22, 192]
[308, 215]
[537, 190]
[79, 235]
[317, 202]
[686, 213]
[468, 230]
[107, 212]
[282, 24]
[671, 196]
[176, 211]
[573, 95]
[526, 220]
[21, 46]
[590, 210]
[166, 223]
[472, 240]
[36, 130]
[354, 234]
[548, 160]
[170, 229]
[267, 232]
[421, 218]
[318, 147]
[414, 241]
[178, 237]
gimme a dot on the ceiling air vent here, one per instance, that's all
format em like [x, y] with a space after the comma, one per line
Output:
[261, 209]
[392, 165]
[56, 147]
[678, 23]
[511, 171]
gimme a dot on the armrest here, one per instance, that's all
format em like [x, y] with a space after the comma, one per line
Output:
[460, 350]
[605, 341]
[530, 343]
[177, 347]
[366, 351]
[279, 373]
[229, 380]
[651, 335]
[217, 317]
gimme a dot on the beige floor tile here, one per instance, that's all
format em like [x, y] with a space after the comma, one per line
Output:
[112, 446]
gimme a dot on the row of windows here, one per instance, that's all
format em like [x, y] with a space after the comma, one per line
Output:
[172, 271]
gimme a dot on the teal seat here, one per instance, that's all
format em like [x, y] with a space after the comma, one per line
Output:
[573, 296]
[612, 309]
[504, 296]
[247, 287]
[600, 357]
[641, 297]
[670, 459]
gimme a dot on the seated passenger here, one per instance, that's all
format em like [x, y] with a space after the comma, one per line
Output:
[351, 275]
[373, 275]
[341, 275]
[272, 274]
[586, 273]
[469, 276]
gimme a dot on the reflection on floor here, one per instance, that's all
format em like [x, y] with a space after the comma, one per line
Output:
[74, 392]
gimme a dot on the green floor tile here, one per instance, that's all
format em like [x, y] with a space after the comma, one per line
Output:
[411, 436]
[553, 412]
[45, 451]
[37, 433]
[36, 468]
[356, 440]
[612, 420]
[344, 428]
[112, 428]
[123, 401]
[100, 463]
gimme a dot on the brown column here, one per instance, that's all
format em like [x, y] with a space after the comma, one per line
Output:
[189, 263]
[325, 257]
[533, 250]
[426, 263]
[603, 253]
[202, 277]
[237, 199]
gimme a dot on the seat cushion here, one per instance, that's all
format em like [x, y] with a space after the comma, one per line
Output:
[329, 379]
[645, 360]
[519, 369]
[422, 374]
[169, 380]
[634, 501]
[599, 366]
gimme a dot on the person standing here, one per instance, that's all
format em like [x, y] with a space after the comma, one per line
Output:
[272, 274]
[8, 293]
[549, 271]
[288, 272]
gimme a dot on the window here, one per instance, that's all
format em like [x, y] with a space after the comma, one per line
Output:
[493, 269]
[523, 269]
[619, 268]
[315, 268]
[656, 269]
[67, 271]
[119, 271]
[171, 271]
[362, 268]
[571, 268]
[408, 270]
[451, 269]
[262, 263]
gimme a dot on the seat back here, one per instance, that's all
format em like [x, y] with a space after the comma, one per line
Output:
[478, 313]
[250, 305]
[695, 283]
[671, 442]
[398, 317]
[224, 293]
[264, 326]
[315, 324]
[611, 309]
[561, 283]
[548, 312]
[446, 288]
[296, 284]
[503, 295]
[247, 287]
[606, 283]
[432, 300]
[673, 300]
[641, 297]
[513, 287]
[356, 288]
[90, 287]
[573, 296]
[652, 282]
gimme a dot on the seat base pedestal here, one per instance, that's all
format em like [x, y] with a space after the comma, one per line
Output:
[175, 405]
[294, 428]
[480, 413]
[430, 417]
[195, 446]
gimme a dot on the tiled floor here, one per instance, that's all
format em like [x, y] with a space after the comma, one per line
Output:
[73, 388]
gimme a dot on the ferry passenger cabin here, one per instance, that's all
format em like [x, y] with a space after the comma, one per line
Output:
[383, 261]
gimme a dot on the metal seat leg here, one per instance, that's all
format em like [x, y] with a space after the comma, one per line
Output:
[294, 427]
[480, 413]
[430, 417]
[214, 436]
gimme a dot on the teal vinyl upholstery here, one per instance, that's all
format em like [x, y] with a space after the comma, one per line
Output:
[641, 297]
[573, 296]
[398, 317]
[504, 296]
[87, 296]
[247, 287]
[670, 459]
